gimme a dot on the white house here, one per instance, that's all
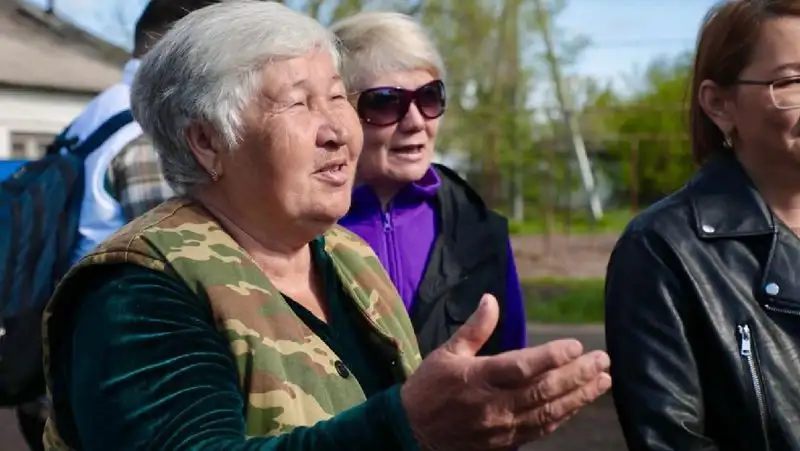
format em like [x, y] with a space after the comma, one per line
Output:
[49, 70]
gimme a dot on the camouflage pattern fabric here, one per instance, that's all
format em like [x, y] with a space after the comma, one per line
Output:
[275, 351]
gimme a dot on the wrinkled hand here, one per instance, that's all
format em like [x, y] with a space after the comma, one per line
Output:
[457, 401]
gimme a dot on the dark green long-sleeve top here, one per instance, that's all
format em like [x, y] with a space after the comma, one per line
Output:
[147, 369]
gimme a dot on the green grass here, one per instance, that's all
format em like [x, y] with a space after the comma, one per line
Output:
[613, 221]
[563, 301]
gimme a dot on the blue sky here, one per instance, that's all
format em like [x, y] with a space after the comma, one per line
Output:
[626, 34]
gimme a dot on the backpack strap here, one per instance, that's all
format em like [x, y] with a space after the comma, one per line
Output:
[62, 141]
[101, 135]
[114, 124]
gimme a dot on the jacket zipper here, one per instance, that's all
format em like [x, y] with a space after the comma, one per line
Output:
[391, 257]
[781, 310]
[746, 350]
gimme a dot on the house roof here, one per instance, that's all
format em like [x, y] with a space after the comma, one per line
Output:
[41, 51]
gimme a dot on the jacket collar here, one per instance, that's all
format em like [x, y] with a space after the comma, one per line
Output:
[365, 202]
[725, 203]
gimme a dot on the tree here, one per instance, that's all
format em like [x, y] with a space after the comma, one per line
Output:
[647, 131]
[492, 50]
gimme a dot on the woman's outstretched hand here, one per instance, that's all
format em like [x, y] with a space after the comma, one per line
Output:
[457, 401]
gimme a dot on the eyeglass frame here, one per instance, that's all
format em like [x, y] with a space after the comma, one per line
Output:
[771, 84]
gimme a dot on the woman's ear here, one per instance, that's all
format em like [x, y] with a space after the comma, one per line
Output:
[207, 148]
[717, 103]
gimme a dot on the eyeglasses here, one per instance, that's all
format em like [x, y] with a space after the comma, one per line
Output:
[388, 106]
[785, 92]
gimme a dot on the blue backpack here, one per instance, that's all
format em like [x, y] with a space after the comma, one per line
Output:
[39, 211]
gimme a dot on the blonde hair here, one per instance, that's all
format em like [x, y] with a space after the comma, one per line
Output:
[375, 43]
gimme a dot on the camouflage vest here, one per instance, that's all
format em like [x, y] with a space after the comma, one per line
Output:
[274, 349]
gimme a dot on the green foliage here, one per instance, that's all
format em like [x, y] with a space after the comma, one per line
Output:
[564, 301]
[650, 129]
[492, 50]
[573, 223]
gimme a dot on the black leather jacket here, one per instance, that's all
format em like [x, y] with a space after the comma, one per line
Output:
[703, 321]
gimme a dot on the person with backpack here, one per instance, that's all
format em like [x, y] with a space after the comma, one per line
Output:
[123, 176]
[119, 180]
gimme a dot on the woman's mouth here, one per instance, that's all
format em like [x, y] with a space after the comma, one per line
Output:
[333, 173]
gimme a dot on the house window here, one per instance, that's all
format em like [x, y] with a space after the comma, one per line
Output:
[29, 146]
[18, 150]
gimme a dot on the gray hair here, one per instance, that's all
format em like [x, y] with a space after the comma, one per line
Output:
[376, 43]
[207, 69]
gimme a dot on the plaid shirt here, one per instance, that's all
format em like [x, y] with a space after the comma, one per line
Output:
[135, 180]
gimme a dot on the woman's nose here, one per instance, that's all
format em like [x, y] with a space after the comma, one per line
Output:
[413, 121]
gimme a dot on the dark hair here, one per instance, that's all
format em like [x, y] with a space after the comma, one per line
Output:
[725, 44]
[159, 15]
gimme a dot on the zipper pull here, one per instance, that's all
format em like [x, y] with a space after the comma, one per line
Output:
[387, 222]
[744, 331]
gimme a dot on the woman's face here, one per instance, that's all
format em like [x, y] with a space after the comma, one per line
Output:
[300, 143]
[765, 125]
[399, 136]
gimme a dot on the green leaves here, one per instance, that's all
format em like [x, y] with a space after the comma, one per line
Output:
[651, 130]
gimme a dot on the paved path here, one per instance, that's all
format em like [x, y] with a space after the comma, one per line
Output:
[593, 429]
[591, 335]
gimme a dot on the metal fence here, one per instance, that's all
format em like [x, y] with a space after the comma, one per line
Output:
[634, 162]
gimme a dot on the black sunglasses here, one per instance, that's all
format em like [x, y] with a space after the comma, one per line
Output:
[388, 106]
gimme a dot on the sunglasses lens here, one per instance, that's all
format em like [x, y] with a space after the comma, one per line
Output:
[380, 106]
[431, 100]
[387, 106]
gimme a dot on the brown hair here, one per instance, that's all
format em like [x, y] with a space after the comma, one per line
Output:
[725, 44]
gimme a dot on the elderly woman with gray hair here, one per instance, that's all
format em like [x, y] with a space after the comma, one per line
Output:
[238, 316]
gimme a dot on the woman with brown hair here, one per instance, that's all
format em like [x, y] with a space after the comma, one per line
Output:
[702, 290]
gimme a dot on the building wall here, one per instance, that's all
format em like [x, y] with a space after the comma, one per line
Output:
[29, 119]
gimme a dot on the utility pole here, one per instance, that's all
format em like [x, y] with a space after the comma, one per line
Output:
[566, 111]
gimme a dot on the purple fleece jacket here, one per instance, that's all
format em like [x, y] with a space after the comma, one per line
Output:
[403, 236]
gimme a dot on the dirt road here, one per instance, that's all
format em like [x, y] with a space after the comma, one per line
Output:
[562, 256]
